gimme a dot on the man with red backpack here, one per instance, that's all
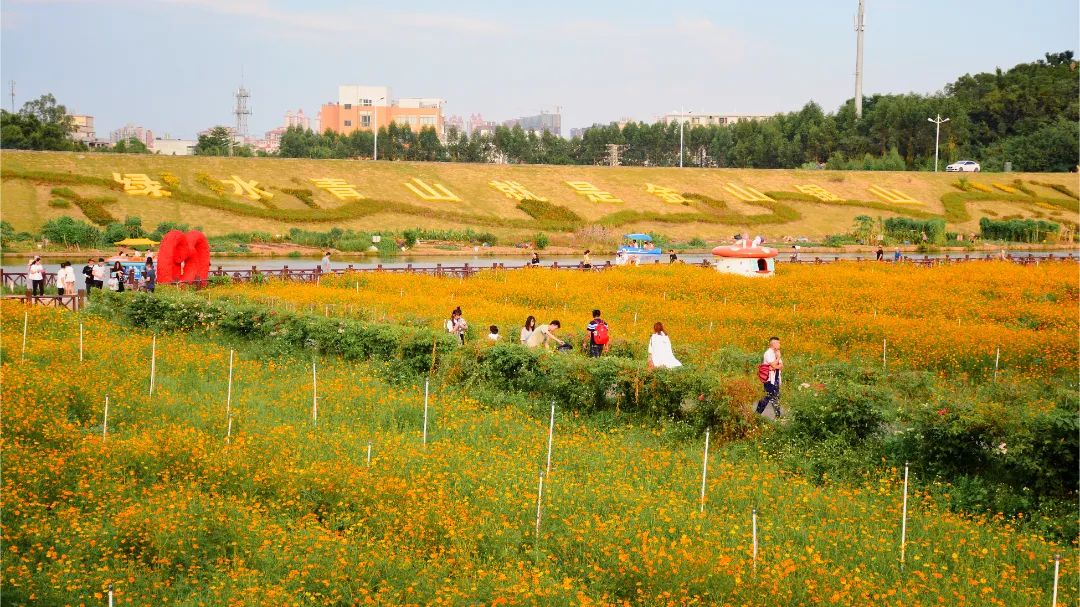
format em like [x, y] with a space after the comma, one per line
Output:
[598, 340]
[769, 374]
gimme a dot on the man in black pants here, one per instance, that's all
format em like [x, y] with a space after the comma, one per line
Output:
[597, 342]
[88, 275]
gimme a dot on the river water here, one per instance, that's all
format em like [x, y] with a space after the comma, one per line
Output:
[16, 264]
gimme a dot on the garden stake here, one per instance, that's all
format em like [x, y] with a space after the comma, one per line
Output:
[1057, 571]
[110, 595]
[425, 408]
[153, 362]
[228, 431]
[228, 394]
[551, 435]
[25, 320]
[314, 396]
[105, 421]
[903, 521]
[704, 470]
[369, 454]
[997, 361]
[753, 526]
[539, 503]
[80, 341]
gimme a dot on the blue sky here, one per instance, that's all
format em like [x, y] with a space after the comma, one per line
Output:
[173, 65]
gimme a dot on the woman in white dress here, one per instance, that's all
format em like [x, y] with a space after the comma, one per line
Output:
[660, 354]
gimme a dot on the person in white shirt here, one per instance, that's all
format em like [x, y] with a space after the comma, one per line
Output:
[100, 271]
[660, 354]
[324, 266]
[456, 325]
[493, 334]
[775, 362]
[527, 330]
[36, 273]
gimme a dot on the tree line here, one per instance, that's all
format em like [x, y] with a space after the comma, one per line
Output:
[1028, 116]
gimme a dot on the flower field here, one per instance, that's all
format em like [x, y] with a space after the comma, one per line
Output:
[950, 319]
[171, 503]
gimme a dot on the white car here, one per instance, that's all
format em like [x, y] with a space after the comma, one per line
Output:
[964, 166]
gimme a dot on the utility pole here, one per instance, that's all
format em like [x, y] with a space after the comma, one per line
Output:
[860, 26]
[937, 136]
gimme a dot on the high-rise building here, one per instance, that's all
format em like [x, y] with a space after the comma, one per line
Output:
[130, 131]
[367, 107]
[539, 123]
[479, 126]
[297, 119]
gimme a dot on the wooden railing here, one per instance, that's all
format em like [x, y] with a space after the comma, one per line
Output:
[72, 302]
[17, 281]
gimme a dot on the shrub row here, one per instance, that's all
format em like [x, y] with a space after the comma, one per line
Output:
[580, 383]
[93, 208]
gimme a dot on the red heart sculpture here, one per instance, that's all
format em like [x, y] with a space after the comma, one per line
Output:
[183, 258]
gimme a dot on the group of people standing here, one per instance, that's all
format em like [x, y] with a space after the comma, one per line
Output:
[597, 343]
[96, 275]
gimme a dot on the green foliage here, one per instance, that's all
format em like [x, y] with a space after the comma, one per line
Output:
[70, 231]
[218, 142]
[543, 210]
[59, 203]
[1064, 189]
[903, 228]
[303, 195]
[541, 240]
[413, 235]
[1017, 230]
[93, 208]
[41, 124]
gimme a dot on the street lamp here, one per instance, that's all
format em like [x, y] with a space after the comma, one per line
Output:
[375, 126]
[937, 136]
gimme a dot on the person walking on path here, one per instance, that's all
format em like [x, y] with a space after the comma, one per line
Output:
[528, 329]
[88, 275]
[772, 364]
[660, 354]
[324, 265]
[150, 275]
[69, 279]
[880, 253]
[456, 325]
[897, 256]
[586, 259]
[36, 273]
[544, 335]
[597, 343]
[535, 261]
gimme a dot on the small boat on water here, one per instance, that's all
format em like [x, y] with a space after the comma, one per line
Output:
[637, 249]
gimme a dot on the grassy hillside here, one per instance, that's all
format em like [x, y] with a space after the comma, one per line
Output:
[710, 208]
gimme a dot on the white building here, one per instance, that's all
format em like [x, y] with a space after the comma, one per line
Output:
[173, 147]
[701, 119]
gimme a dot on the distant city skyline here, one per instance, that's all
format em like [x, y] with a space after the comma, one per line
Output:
[173, 65]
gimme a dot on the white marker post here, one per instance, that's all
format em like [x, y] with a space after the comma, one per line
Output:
[25, 321]
[369, 454]
[1057, 572]
[80, 341]
[110, 595]
[228, 394]
[105, 421]
[903, 521]
[153, 362]
[753, 527]
[704, 470]
[539, 504]
[425, 408]
[314, 396]
[228, 431]
[997, 361]
[551, 436]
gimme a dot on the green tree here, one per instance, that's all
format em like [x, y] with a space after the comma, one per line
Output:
[218, 142]
[41, 124]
